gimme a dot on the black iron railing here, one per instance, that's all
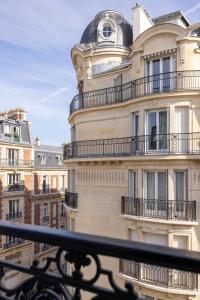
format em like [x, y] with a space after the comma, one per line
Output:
[14, 188]
[159, 209]
[159, 83]
[71, 199]
[81, 250]
[159, 276]
[155, 144]
[14, 215]
[12, 241]
[15, 162]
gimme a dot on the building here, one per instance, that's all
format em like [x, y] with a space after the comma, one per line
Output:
[22, 166]
[135, 144]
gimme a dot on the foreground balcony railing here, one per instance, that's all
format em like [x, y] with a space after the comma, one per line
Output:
[81, 251]
[159, 209]
[71, 199]
[15, 162]
[159, 83]
[155, 144]
[159, 276]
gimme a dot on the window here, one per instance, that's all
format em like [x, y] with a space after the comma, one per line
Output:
[14, 182]
[45, 185]
[8, 129]
[45, 212]
[43, 159]
[62, 209]
[180, 191]
[160, 76]
[135, 132]
[59, 158]
[12, 157]
[157, 128]
[14, 210]
[62, 183]
[132, 184]
[155, 191]
[107, 30]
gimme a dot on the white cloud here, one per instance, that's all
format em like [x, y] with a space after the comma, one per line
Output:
[193, 9]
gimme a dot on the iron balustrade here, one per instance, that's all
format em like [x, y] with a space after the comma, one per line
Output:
[159, 209]
[80, 251]
[159, 83]
[155, 144]
[159, 276]
[14, 188]
[12, 241]
[14, 215]
[71, 199]
[7, 162]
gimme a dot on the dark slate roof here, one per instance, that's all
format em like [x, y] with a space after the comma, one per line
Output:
[90, 33]
[51, 153]
[196, 32]
[25, 132]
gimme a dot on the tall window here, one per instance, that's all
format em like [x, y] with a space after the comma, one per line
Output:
[45, 185]
[45, 212]
[135, 131]
[159, 76]
[132, 184]
[13, 179]
[12, 157]
[157, 128]
[14, 210]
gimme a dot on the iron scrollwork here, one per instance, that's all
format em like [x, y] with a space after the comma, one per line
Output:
[63, 283]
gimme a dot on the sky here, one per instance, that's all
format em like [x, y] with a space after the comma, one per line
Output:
[36, 37]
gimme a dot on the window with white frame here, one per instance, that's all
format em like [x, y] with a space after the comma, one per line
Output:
[12, 156]
[14, 209]
[43, 159]
[159, 72]
[45, 184]
[45, 212]
[157, 130]
[132, 187]
[7, 129]
[13, 179]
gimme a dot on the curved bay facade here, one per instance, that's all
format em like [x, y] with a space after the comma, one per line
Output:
[135, 141]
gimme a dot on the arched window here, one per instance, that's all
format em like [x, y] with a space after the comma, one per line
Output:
[107, 30]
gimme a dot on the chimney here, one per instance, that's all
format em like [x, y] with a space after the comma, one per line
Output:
[18, 114]
[37, 142]
[141, 20]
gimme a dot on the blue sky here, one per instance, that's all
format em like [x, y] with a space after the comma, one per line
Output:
[36, 38]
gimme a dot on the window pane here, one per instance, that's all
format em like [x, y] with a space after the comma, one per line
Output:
[156, 75]
[166, 75]
[163, 130]
[152, 130]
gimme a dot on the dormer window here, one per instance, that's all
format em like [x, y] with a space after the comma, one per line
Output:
[107, 30]
[8, 129]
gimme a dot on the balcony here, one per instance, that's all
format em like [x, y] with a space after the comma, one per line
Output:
[16, 163]
[71, 200]
[45, 219]
[81, 251]
[177, 81]
[159, 276]
[14, 188]
[14, 215]
[12, 241]
[144, 145]
[176, 210]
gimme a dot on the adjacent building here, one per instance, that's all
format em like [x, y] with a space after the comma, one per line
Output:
[25, 196]
[135, 144]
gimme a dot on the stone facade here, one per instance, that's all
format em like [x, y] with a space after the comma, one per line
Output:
[134, 157]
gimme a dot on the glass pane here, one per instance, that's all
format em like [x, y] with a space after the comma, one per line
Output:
[163, 130]
[162, 191]
[152, 130]
[166, 74]
[156, 75]
[180, 191]
[136, 132]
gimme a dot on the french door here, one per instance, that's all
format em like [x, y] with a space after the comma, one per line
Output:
[12, 157]
[159, 77]
[180, 193]
[135, 133]
[132, 186]
[181, 138]
[155, 190]
[157, 128]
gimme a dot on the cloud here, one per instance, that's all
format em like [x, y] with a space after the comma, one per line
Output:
[193, 9]
[54, 94]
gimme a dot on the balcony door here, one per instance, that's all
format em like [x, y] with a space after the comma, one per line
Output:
[155, 202]
[135, 132]
[159, 77]
[12, 157]
[180, 193]
[133, 202]
[157, 129]
[181, 137]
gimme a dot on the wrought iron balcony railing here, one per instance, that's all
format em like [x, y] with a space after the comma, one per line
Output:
[155, 144]
[159, 276]
[71, 199]
[14, 188]
[14, 215]
[12, 241]
[159, 209]
[14, 163]
[159, 83]
[80, 251]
